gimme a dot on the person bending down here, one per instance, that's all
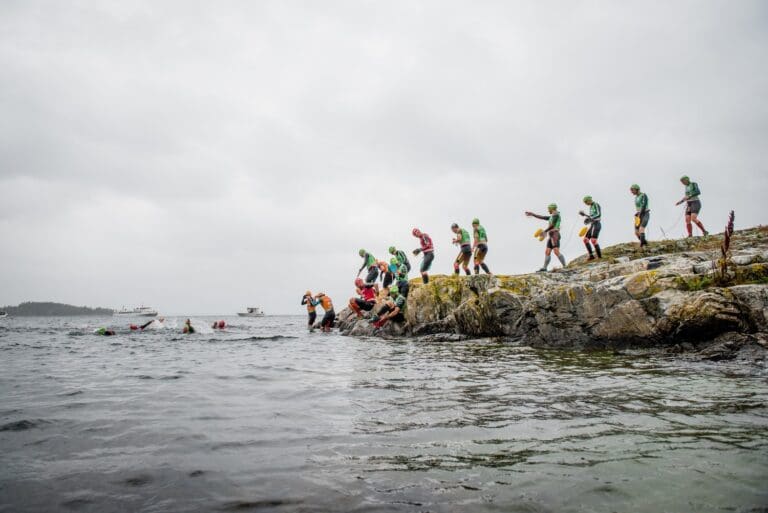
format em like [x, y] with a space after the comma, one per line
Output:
[330, 315]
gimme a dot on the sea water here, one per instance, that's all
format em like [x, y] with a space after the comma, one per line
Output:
[265, 416]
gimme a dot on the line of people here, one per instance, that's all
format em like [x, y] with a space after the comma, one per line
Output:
[394, 275]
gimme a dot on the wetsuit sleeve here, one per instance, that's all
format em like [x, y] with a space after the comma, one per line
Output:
[304, 300]
[365, 261]
[537, 216]
[598, 213]
[695, 191]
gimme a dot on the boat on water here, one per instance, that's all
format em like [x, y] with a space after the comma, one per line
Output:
[251, 311]
[139, 311]
[3, 314]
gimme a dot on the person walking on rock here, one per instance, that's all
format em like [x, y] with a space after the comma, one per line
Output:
[553, 235]
[642, 214]
[402, 278]
[693, 206]
[465, 249]
[428, 249]
[480, 245]
[593, 220]
[370, 262]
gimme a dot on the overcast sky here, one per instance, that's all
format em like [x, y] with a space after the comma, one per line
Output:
[201, 157]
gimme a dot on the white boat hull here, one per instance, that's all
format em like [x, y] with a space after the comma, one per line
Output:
[246, 314]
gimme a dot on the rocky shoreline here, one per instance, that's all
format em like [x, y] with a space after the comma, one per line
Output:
[670, 297]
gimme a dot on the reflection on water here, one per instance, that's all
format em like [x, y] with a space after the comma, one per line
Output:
[264, 417]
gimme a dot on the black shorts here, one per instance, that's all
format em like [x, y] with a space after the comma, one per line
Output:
[554, 239]
[693, 207]
[312, 317]
[388, 279]
[364, 305]
[464, 254]
[594, 230]
[407, 265]
[403, 286]
[328, 319]
[373, 273]
[480, 251]
[644, 219]
[426, 263]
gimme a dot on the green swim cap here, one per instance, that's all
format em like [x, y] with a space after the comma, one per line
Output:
[587, 198]
[394, 290]
[393, 261]
[685, 178]
[362, 252]
[552, 206]
[634, 187]
[475, 221]
[392, 250]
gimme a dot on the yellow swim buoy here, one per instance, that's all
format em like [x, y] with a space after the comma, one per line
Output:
[540, 234]
[637, 221]
[583, 231]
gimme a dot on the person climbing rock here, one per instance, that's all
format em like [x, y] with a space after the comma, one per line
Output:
[393, 309]
[387, 274]
[593, 219]
[465, 249]
[401, 278]
[311, 311]
[330, 315]
[480, 245]
[693, 206]
[642, 214]
[553, 235]
[365, 300]
[369, 261]
[402, 258]
[428, 249]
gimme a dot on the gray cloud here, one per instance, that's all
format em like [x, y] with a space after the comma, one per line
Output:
[201, 157]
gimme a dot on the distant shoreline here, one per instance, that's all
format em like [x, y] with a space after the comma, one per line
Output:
[50, 309]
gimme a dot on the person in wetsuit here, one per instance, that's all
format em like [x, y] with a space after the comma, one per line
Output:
[393, 309]
[428, 249]
[642, 214]
[366, 298]
[387, 274]
[553, 235]
[370, 262]
[401, 277]
[480, 245]
[465, 249]
[402, 258]
[188, 328]
[330, 315]
[311, 313]
[692, 207]
[593, 219]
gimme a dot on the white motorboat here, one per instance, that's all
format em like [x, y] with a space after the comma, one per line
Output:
[251, 311]
[139, 311]
[3, 314]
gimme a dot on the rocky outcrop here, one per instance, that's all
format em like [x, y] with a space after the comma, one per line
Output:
[670, 296]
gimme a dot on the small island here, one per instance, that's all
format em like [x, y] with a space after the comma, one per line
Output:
[49, 309]
[707, 295]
